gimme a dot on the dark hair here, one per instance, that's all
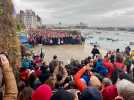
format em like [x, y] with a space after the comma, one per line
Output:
[31, 79]
[119, 58]
[61, 94]
[90, 93]
[26, 94]
[89, 58]
[118, 50]
[95, 46]
[87, 61]
[59, 77]
[21, 86]
[54, 57]
[1, 95]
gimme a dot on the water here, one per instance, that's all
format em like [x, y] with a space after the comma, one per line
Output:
[121, 39]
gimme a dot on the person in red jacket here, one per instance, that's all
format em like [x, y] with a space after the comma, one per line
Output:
[119, 64]
[77, 78]
[109, 66]
[82, 81]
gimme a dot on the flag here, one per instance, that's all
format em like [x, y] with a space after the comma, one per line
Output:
[42, 54]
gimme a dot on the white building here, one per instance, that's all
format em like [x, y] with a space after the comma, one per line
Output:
[29, 19]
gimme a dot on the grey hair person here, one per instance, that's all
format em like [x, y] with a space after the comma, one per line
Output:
[125, 89]
[106, 82]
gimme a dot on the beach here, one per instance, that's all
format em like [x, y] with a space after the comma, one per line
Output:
[65, 52]
[80, 52]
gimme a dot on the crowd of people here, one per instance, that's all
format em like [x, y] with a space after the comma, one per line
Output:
[53, 38]
[94, 78]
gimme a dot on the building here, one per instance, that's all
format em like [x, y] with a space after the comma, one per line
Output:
[29, 19]
[39, 21]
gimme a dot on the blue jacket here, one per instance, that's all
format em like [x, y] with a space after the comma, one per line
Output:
[100, 68]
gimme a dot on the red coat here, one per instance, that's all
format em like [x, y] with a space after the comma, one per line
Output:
[109, 66]
[94, 81]
[38, 72]
[81, 85]
[120, 66]
[24, 74]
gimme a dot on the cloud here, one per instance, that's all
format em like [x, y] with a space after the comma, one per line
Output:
[93, 12]
[119, 12]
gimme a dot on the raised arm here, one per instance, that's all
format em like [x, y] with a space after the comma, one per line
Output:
[77, 78]
[9, 79]
[65, 74]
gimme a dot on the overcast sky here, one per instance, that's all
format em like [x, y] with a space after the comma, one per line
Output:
[92, 12]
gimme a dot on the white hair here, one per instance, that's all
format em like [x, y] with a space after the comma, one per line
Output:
[125, 89]
[107, 81]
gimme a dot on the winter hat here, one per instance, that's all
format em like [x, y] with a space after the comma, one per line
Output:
[43, 92]
[91, 93]
[109, 92]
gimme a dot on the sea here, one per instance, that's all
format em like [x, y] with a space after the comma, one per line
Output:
[109, 40]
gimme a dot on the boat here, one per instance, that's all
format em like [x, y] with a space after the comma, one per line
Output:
[114, 40]
[131, 43]
[98, 32]
[101, 38]
[90, 37]
[111, 39]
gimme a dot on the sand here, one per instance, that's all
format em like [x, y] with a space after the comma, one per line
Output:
[65, 52]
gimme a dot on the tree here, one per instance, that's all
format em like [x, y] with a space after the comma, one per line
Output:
[19, 24]
[9, 41]
[19, 27]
